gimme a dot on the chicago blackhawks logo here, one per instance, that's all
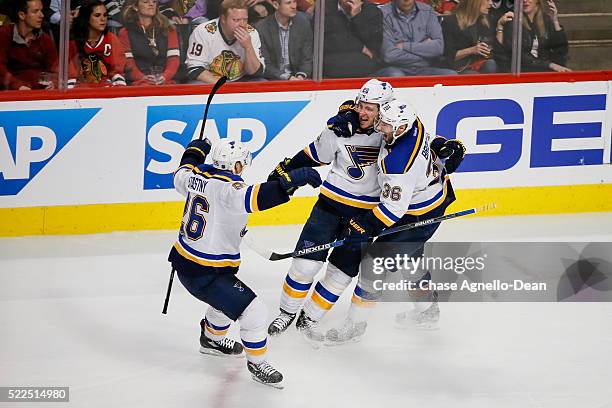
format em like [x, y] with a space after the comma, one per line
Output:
[227, 64]
[211, 27]
[93, 69]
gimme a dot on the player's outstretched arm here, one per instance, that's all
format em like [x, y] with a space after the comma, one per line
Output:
[272, 193]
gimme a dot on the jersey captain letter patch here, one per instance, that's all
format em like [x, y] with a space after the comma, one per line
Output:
[361, 156]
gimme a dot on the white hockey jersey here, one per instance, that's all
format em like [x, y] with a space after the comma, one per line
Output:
[352, 179]
[208, 49]
[412, 178]
[215, 215]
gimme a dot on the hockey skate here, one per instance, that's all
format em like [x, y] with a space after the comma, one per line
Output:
[425, 320]
[349, 332]
[225, 347]
[281, 323]
[309, 328]
[265, 374]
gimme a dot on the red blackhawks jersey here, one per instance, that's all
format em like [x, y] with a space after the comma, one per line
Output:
[100, 64]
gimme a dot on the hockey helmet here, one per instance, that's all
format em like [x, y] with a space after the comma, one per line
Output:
[396, 114]
[226, 153]
[375, 91]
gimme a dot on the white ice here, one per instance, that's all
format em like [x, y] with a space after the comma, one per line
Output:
[85, 312]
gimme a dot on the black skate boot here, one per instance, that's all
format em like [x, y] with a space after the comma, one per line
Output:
[225, 347]
[266, 374]
[281, 323]
[309, 328]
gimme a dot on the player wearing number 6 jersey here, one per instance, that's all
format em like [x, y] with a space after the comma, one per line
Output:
[206, 255]
[413, 176]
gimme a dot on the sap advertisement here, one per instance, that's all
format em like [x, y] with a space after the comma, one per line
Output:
[124, 150]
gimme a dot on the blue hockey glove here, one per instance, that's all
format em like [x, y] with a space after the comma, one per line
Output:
[450, 150]
[196, 152]
[346, 121]
[360, 229]
[298, 178]
[280, 169]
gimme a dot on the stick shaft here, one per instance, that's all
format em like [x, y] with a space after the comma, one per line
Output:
[213, 91]
[165, 309]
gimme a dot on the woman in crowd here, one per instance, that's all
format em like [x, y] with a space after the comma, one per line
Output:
[544, 43]
[96, 55]
[150, 43]
[469, 38]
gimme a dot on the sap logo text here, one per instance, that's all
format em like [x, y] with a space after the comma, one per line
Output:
[507, 144]
[29, 140]
[170, 128]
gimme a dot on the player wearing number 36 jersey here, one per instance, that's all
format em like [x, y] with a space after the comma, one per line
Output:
[206, 255]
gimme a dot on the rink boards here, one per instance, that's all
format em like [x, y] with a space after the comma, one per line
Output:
[93, 165]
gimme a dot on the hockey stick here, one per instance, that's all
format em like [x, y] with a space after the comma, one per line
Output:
[213, 91]
[275, 256]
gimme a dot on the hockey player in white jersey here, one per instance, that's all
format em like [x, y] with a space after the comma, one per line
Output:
[414, 179]
[206, 255]
[351, 146]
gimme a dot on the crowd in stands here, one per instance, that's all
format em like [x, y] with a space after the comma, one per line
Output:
[155, 42]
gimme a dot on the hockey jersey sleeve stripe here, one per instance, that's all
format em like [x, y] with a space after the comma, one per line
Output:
[247, 199]
[254, 194]
[384, 216]
[186, 167]
[311, 151]
[426, 206]
[264, 196]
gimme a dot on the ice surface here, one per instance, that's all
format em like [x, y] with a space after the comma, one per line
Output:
[85, 312]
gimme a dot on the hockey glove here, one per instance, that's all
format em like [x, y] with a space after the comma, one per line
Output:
[360, 229]
[346, 122]
[450, 150]
[299, 177]
[196, 152]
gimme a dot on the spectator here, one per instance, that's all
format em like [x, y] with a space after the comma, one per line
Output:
[150, 43]
[56, 8]
[544, 44]
[173, 10]
[469, 38]
[259, 11]
[226, 46]
[442, 7]
[353, 36]
[197, 12]
[412, 40]
[286, 42]
[96, 55]
[306, 6]
[25, 51]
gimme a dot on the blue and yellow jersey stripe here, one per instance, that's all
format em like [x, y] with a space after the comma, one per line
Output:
[215, 330]
[296, 289]
[311, 151]
[209, 172]
[405, 151]
[186, 167]
[428, 205]
[202, 258]
[255, 348]
[323, 297]
[336, 194]
[384, 215]
[250, 198]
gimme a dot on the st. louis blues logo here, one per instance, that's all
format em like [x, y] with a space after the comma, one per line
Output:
[361, 156]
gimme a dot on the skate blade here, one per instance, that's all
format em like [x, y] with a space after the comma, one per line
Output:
[315, 344]
[217, 353]
[418, 327]
[278, 386]
[330, 343]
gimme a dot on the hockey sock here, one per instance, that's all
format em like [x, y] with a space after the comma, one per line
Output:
[362, 303]
[326, 292]
[253, 325]
[297, 283]
[215, 324]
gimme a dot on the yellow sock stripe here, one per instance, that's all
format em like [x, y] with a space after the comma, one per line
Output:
[256, 352]
[298, 294]
[362, 302]
[320, 301]
[216, 332]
